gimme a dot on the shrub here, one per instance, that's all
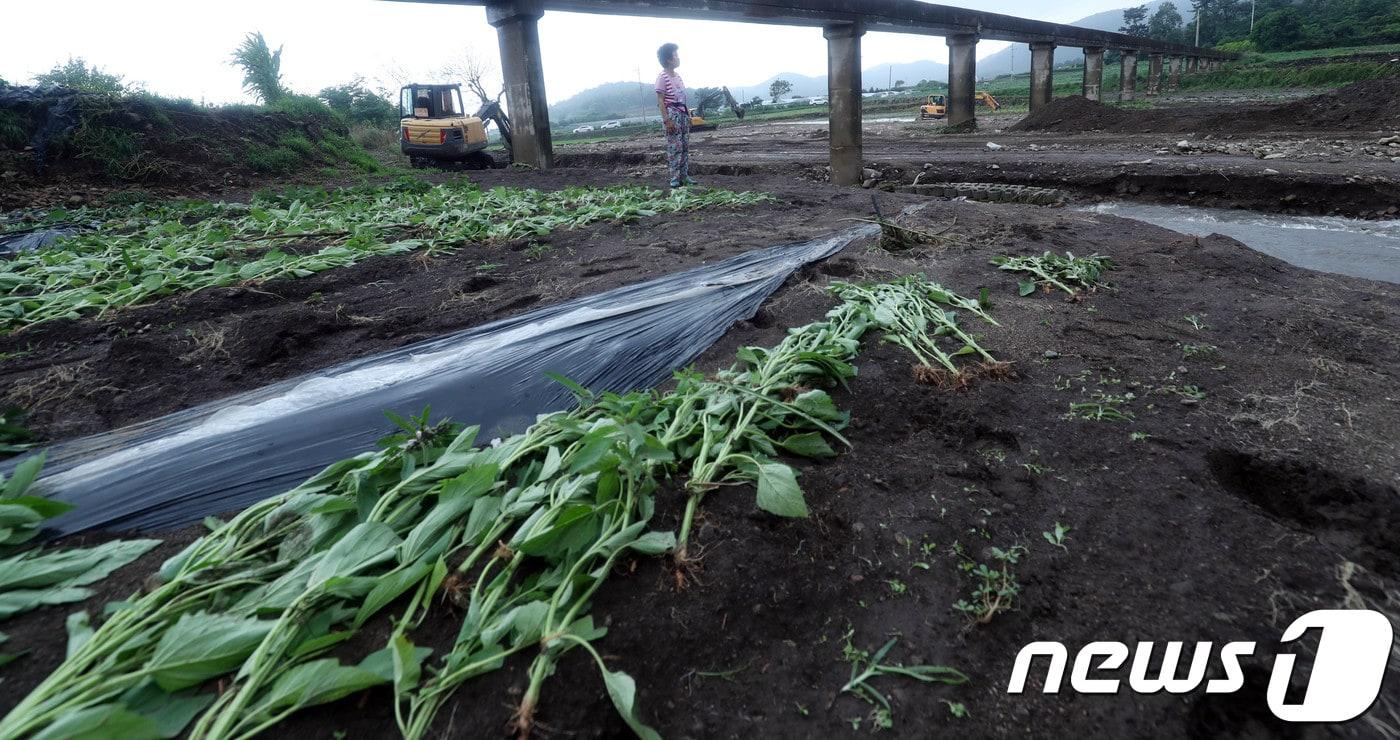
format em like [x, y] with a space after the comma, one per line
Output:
[270, 161]
[374, 137]
[307, 108]
[343, 149]
[14, 130]
[76, 73]
[359, 105]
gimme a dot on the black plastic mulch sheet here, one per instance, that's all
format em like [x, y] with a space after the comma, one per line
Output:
[226, 455]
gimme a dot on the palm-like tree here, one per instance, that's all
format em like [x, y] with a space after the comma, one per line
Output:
[262, 67]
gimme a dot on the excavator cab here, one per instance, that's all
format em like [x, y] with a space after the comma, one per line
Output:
[934, 107]
[435, 128]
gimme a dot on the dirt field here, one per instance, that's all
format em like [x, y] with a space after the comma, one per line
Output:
[1258, 479]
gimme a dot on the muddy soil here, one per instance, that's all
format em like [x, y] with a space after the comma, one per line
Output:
[1256, 481]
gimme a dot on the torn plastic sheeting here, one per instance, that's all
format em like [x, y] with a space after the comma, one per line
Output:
[14, 242]
[225, 455]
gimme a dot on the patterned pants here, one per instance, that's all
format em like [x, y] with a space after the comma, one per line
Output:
[678, 146]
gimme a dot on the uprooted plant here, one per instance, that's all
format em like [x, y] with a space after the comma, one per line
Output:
[1050, 271]
[519, 534]
[865, 668]
[915, 314]
[150, 250]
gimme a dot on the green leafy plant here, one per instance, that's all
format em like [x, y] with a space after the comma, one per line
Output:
[519, 534]
[1057, 536]
[1197, 321]
[914, 314]
[15, 437]
[995, 588]
[1051, 271]
[1102, 407]
[143, 252]
[865, 668]
[1190, 351]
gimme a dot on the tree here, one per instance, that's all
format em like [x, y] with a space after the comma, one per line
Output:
[76, 73]
[478, 73]
[1134, 21]
[1165, 24]
[778, 89]
[262, 68]
[757, 102]
[898, 84]
[1281, 29]
[358, 104]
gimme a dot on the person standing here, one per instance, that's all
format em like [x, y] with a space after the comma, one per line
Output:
[675, 115]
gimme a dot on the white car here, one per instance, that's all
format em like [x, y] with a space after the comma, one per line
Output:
[612, 124]
[583, 129]
[818, 101]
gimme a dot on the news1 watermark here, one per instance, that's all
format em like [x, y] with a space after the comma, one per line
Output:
[1346, 677]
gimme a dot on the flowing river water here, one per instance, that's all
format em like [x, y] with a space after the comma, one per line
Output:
[1346, 246]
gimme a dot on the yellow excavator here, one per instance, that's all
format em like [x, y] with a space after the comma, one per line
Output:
[697, 116]
[935, 106]
[434, 128]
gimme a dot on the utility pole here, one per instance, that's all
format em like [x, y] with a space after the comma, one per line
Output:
[1251, 16]
[1200, 5]
[889, 83]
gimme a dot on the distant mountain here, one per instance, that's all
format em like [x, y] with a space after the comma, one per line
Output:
[610, 100]
[881, 76]
[1016, 59]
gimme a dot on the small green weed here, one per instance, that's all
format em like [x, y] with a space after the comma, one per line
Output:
[1103, 407]
[1057, 536]
[995, 587]
[866, 668]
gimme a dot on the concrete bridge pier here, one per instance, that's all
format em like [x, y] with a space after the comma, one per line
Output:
[962, 79]
[1042, 73]
[1093, 72]
[1127, 83]
[1174, 79]
[1154, 74]
[843, 100]
[517, 32]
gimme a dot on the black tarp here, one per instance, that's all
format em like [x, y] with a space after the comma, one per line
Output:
[227, 454]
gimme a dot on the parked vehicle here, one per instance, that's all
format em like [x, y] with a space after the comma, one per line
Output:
[612, 124]
[583, 129]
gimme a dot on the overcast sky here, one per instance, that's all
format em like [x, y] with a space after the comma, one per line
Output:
[181, 49]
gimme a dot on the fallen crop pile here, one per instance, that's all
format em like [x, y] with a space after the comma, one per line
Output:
[518, 534]
[146, 251]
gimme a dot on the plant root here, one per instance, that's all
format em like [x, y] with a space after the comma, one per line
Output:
[941, 378]
[686, 568]
[522, 722]
[995, 371]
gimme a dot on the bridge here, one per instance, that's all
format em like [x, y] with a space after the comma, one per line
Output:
[843, 23]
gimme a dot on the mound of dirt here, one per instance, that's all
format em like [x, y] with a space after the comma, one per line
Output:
[1360, 106]
[1075, 113]
[54, 135]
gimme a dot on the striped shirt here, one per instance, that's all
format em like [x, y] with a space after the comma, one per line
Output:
[671, 87]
